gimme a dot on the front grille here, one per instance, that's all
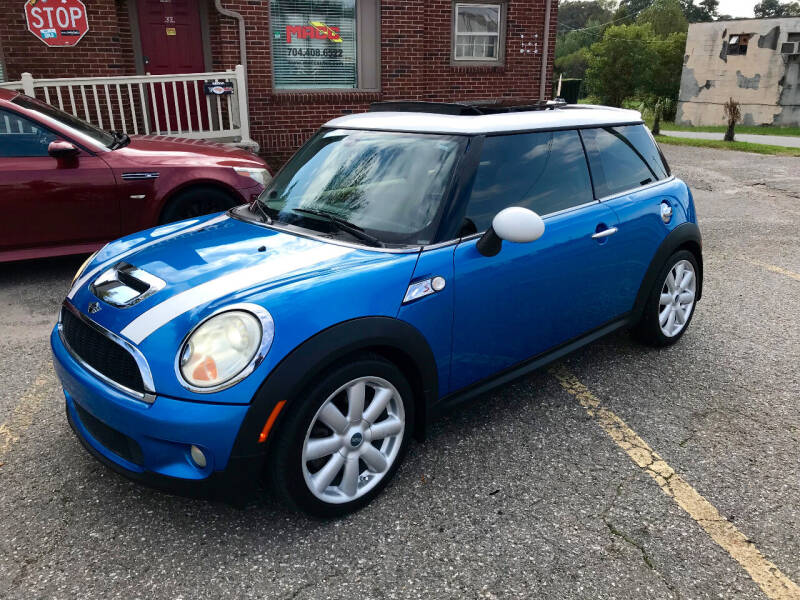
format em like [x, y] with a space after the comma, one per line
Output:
[119, 443]
[101, 353]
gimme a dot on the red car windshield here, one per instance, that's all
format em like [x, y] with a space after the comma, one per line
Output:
[107, 139]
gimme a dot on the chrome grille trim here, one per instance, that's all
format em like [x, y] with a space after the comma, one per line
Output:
[140, 175]
[149, 394]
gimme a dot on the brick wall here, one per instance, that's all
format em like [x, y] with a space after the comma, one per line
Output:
[415, 61]
[105, 50]
[415, 64]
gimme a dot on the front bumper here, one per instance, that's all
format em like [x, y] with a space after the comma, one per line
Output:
[150, 443]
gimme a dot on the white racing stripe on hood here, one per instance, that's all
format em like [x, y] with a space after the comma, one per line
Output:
[161, 314]
[160, 234]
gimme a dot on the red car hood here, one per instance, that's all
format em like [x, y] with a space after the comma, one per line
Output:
[164, 150]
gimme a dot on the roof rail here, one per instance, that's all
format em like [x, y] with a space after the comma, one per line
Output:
[454, 108]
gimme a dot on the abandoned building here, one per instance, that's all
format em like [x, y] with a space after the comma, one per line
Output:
[754, 61]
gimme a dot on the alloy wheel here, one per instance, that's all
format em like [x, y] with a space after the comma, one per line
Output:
[677, 298]
[353, 440]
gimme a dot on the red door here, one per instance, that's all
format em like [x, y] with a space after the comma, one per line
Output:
[172, 43]
[48, 201]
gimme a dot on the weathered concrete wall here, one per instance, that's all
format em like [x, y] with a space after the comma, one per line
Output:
[764, 81]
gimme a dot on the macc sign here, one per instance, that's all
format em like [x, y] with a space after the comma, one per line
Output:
[60, 23]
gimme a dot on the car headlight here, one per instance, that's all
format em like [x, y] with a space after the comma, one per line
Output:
[82, 268]
[223, 348]
[261, 176]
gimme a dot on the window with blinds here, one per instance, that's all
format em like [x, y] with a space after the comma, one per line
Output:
[477, 31]
[314, 44]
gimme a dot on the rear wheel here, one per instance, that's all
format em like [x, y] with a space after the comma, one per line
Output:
[343, 441]
[670, 306]
[195, 203]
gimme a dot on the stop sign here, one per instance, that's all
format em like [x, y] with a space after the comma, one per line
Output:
[57, 22]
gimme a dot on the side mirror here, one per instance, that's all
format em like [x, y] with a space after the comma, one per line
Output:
[62, 149]
[513, 224]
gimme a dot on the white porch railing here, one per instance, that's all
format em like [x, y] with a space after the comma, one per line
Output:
[171, 105]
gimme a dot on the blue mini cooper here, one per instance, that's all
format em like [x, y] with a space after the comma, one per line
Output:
[403, 260]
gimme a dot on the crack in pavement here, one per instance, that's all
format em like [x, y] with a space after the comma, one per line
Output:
[630, 541]
[766, 574]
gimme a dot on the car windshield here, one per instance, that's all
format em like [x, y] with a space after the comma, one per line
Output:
[386, 186]
[104, 137]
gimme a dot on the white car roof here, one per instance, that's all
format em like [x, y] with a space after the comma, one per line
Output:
[577, 115]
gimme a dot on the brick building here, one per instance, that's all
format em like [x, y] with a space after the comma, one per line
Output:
[307, 60]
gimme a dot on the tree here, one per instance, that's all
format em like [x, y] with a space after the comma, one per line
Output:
[732, 114]
[659, 108]
[773, 8]
[702, 13]
[633, 7]
[573, 65]
[664, 76]
[666, 17]
[577, 14]
[621, 63]
[572, 41]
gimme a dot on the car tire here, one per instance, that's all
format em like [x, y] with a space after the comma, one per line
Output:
[327, 461]
[670, 306]
[196, 202]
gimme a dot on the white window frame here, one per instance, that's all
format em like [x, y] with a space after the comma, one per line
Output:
[499, 35]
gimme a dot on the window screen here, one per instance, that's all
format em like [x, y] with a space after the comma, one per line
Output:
[545, 172]
[21, 137]
[622, 158]
[314, 44]
[477, 32]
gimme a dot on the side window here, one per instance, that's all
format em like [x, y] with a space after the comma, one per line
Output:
[22, 137]
[622, 158]
[545, 172]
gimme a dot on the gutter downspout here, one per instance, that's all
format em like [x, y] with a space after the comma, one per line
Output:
[244, 98]
[545, 51]
[242, 43]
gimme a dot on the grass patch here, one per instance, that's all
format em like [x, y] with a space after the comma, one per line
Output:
[722, 145]
[756, 129]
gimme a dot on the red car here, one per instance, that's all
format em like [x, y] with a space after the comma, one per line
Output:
[68, 187]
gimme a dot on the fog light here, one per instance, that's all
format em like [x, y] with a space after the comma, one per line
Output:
[198, 457]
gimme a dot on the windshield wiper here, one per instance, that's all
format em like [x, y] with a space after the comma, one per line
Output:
[267, 219]
[120, 139]
[343, 225]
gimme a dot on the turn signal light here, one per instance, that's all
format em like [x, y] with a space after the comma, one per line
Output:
[270, 421]
[206, 370]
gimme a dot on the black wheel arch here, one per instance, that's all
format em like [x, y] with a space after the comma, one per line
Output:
[397, 341]
[195, 185]
[684, 237]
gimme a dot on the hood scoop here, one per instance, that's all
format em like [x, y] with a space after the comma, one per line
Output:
[124, 285]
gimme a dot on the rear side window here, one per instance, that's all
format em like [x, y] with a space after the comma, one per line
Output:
[622, 158]
[545, 172]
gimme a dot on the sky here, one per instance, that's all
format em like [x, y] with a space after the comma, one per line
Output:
[736, 8]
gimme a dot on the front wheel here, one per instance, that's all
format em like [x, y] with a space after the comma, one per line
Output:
[343, 441]
[670, 306]
[195, 203]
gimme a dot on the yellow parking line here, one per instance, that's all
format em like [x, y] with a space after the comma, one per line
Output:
[776, 269]
[773, 583]
[22, 417]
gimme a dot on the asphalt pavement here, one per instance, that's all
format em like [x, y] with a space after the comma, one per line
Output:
[527, 492]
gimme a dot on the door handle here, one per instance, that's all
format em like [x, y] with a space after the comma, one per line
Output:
[605, 233]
